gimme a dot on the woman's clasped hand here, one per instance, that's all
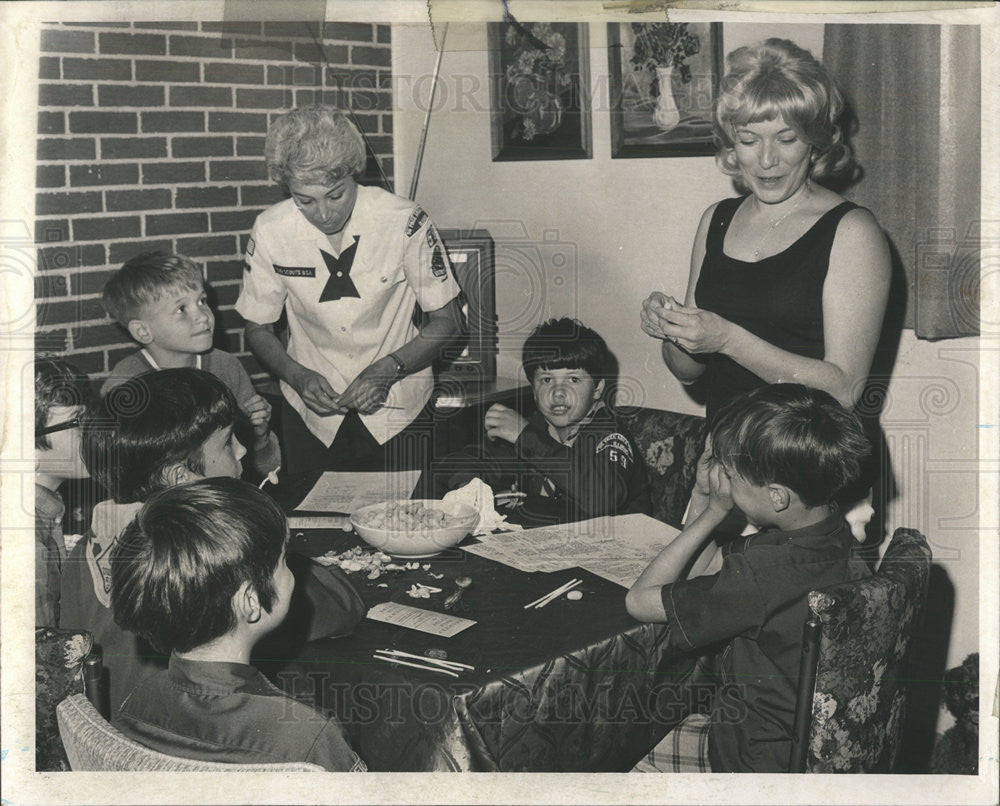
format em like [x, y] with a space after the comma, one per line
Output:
[688, 327]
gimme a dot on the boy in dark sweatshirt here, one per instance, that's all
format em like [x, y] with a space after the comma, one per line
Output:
[570, 460]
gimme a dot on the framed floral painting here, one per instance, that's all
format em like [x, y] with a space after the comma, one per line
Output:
[539, 80]
[664, 79]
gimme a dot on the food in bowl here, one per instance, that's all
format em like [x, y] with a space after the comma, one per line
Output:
[414, 528]
[411, 516]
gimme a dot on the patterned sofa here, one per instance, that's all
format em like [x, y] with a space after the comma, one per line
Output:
[670, 444]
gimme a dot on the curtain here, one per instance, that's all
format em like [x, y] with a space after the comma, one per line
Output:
[915, 92]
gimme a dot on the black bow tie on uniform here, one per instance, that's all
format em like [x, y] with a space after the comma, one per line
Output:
[340, 283]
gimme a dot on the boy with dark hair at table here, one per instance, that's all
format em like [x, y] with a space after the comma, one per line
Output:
[201, 575]
[61, 395]
[159, 298]
[155, 431]
[571, 459]
[781, 454]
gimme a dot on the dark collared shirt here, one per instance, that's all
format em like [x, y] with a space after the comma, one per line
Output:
[230, 713]
[757, 604]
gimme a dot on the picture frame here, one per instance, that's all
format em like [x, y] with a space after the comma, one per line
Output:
[644, 121]
[539, 90]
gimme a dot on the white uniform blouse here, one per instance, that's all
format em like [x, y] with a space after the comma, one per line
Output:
[367, 306]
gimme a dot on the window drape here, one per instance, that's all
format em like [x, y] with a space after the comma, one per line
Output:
[915, 90]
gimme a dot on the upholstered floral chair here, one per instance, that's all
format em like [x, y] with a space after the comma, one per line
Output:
[59, 657]
[864, 629]
[670, 444]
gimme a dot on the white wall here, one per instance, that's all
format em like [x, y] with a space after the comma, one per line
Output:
[932, 424]
[625, 227]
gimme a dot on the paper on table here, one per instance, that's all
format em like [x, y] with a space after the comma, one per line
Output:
[516, 550]
[616, 548]
[348, 492]
[319, 522]
[416, 618]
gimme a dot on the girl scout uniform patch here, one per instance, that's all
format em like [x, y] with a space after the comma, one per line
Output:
[415, 222]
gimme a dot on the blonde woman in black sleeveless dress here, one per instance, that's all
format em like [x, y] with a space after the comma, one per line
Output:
[788, 283]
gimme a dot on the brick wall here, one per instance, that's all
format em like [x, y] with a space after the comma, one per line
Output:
[151, 136]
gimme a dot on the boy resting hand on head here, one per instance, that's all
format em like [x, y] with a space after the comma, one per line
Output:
[201, 574]
[159, 298]
[781, 454]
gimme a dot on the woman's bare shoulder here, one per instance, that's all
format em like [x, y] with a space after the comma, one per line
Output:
[706, 217]
[860, 248]
[860, 222]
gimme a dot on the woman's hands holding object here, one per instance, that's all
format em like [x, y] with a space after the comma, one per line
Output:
[651, 315]
[688, 327]
[316, 392]
[503, 423]
[368, 391]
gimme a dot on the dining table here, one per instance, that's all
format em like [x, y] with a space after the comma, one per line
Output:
[575, 686]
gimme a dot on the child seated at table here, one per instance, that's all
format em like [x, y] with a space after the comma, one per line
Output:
[571, 459]
[201, 574]
[151, 432]
[159, 298]
[155, 431]
[781, 454]
[61, 394]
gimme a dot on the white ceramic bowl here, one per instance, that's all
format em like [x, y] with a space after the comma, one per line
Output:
[434, 526]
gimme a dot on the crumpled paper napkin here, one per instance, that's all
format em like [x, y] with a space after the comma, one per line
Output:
[479, 495]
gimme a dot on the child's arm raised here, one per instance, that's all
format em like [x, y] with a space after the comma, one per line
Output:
[266, 450]
[644, 600]
[503, 423]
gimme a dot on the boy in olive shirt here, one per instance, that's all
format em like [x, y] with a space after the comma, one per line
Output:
[781, 454]
[201, 574]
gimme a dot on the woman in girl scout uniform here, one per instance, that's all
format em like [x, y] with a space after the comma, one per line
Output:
[347, 263]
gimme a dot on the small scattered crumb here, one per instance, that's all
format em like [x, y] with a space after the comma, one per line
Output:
[426, 566]
[382, 585]
[436, 576]
[420, 591]
[373, 563]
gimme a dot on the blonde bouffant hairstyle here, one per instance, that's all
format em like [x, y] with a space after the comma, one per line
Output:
[313, 145]
[777, 78]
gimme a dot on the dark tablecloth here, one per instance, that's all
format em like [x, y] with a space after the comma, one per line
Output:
[575, 686]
